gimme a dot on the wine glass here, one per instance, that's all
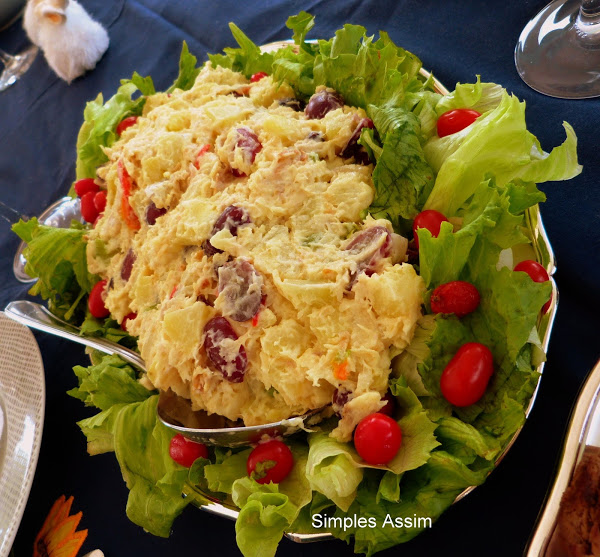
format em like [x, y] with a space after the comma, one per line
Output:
[15, 65]
[558, 52]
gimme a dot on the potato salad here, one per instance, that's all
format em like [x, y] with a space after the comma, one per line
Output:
[237, 245]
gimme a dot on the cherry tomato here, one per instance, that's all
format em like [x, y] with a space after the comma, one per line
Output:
[390, 405]
[537, 274]
[100, 201]
[270, 462]
[465, 378]
[126, 123]
[455, 120]
[257, 77]
[377, 438]
[96, 301]
[430, 219]
[88, 207]
[84, 186]
[184, 451]
[128, 317]
[458, 297]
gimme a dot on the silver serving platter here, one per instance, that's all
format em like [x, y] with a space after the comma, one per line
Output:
[539, 250]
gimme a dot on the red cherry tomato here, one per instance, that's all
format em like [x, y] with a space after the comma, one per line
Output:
[390, 405]
[126, 123]
[88, 207]
[84, 186]
[127, 318]
[465, 378]
[377, 438]
[184, 451]
[96, 301]
[537, 274]
[458, 297]
[258, 76]
[100, 201]
[455, 120]
[270, 462]
[430, 219]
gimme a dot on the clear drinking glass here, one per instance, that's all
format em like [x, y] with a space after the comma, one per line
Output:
[558, 52]
[15, 65]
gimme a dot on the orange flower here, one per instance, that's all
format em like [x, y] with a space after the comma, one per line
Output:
[58, 537]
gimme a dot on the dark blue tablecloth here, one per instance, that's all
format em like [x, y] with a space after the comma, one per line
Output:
[39, 120]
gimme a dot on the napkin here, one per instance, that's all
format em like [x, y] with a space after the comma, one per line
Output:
[71, 40]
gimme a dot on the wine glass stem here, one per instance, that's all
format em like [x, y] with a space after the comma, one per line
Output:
[5, 58]
[590, 10]
[587, 24]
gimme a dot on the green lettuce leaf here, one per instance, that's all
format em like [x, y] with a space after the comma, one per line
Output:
[365, 71]
[456, 433]
[476, 96]
[57, 258]
[221, 476]
[247, 59]
[99, 430]
[154, 479]
[418, 439]
[333, 469]
[425, 494]
[402, 177]
[187, 72]
[110, 382]
[99, 127]
[264, 516]
[145, 85]
[389, 487]
[128, 426]
[496, 143]
[405, 364]
[107, 328]
[301, 24]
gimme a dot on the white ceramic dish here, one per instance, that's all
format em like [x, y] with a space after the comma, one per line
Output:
[22, 401]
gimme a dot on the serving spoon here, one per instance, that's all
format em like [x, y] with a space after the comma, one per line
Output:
[173, 411]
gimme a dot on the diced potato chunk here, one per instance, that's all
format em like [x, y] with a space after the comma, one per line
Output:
[197, 220]
[184, 326]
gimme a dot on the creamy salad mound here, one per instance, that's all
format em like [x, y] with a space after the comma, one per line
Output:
[237, 244]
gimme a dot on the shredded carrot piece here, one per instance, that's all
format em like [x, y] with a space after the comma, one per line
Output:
[203, 150]
[341, 370]
[255, 319]
[173, 291]
[127, 212]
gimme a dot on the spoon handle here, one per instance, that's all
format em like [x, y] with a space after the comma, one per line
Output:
[38, 317]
